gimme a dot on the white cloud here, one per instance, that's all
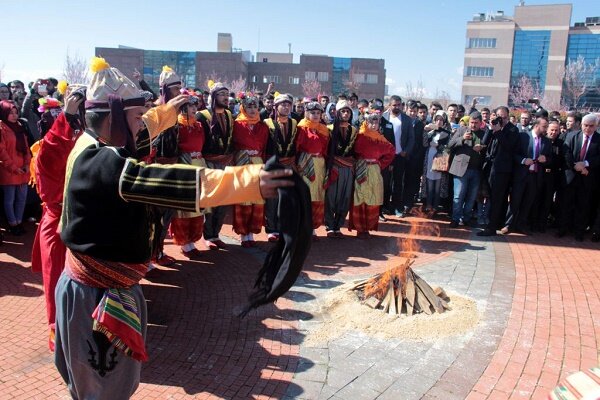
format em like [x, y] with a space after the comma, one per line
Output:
[460, 70]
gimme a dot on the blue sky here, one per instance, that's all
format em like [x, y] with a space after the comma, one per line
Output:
[419, 40]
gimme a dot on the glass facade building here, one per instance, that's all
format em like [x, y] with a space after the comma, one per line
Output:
[341, 73]
[184, 63]
[530, 57]
[588, 47]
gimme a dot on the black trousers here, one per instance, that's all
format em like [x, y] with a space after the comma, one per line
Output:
[400, 182]
[577, 203]
[499, 188]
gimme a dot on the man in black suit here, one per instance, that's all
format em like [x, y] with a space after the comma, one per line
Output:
[387, 130]
[538, 158]
[551, 183]
[404, 140]
[582, 168]
[415, 159]
[504, 153]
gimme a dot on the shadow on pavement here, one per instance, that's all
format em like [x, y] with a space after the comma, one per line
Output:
[196, 341]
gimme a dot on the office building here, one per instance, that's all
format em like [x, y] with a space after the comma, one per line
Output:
[537, 42]
[196, 68]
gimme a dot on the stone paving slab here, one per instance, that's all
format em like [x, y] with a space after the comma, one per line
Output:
[412, 368]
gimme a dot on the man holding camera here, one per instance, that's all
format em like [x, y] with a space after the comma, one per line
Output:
[466, 144]
[503, 143]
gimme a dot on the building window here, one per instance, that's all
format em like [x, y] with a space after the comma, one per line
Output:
[359, 78]
[271, 78]
[481, 43]
[530, 57]
[486, 72]
[294, 80]
[265, 59]
[253, 79]
[323, 76]
[481, 100]
[310, 76]
[372, 78]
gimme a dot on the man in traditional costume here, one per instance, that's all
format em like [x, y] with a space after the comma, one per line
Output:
[186, 227]
[217, 123]
[107, 228]
[48, 251]
[340, 167]
[281, 143]
[373, 154]
[312, 143]
[249, 141]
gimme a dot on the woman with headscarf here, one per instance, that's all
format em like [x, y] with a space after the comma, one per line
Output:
[250, 137]
[14, 165]
[437, 141]
[330, 113]
[311, 148]
[373, 154]
[187, 226]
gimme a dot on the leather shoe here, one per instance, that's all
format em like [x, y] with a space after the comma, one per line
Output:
[220, 244]
[272, 237]
[453, 224]
[595, 237]
[506, 230]
[486, 232]
[331, 234]
[211, 245]
[192, 254]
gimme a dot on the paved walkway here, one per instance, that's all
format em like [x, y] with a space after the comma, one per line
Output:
[539, 300]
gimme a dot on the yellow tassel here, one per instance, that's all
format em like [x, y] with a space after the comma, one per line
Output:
[166, 68]
[276, 94]
[98, 64]
[62, 87]
[210, 83]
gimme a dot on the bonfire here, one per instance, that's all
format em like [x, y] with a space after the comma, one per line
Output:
[399, 290]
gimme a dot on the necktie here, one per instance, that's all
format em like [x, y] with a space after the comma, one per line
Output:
[583, 148]
[536, 153]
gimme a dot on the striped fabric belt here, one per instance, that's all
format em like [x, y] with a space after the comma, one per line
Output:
[117, 316]
[102, 274]
[251, 152]
[225, 159]
[287, 161]
[346, 162]
[196, 155]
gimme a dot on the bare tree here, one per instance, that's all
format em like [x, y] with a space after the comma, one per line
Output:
[237, 85]
[577, 79]
[414, 92]
[442, 97]
[311, 88]
[76, 69]
[354, 81]
[523, 90]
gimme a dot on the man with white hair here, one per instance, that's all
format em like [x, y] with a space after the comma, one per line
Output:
[582, 168]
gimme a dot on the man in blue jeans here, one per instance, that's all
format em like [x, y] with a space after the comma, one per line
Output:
[466, 144]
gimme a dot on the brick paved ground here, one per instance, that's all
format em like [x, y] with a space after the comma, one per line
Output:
[539, 299]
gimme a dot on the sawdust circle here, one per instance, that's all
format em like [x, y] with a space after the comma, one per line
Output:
[342, 311]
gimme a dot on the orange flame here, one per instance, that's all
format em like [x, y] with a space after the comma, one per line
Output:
[378, 286]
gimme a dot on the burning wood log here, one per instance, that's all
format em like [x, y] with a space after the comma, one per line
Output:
[401, 290]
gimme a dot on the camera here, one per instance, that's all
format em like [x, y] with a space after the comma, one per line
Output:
[496, 121]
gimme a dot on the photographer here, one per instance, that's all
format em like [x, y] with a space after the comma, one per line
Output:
[503, 155]
[466, 144]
